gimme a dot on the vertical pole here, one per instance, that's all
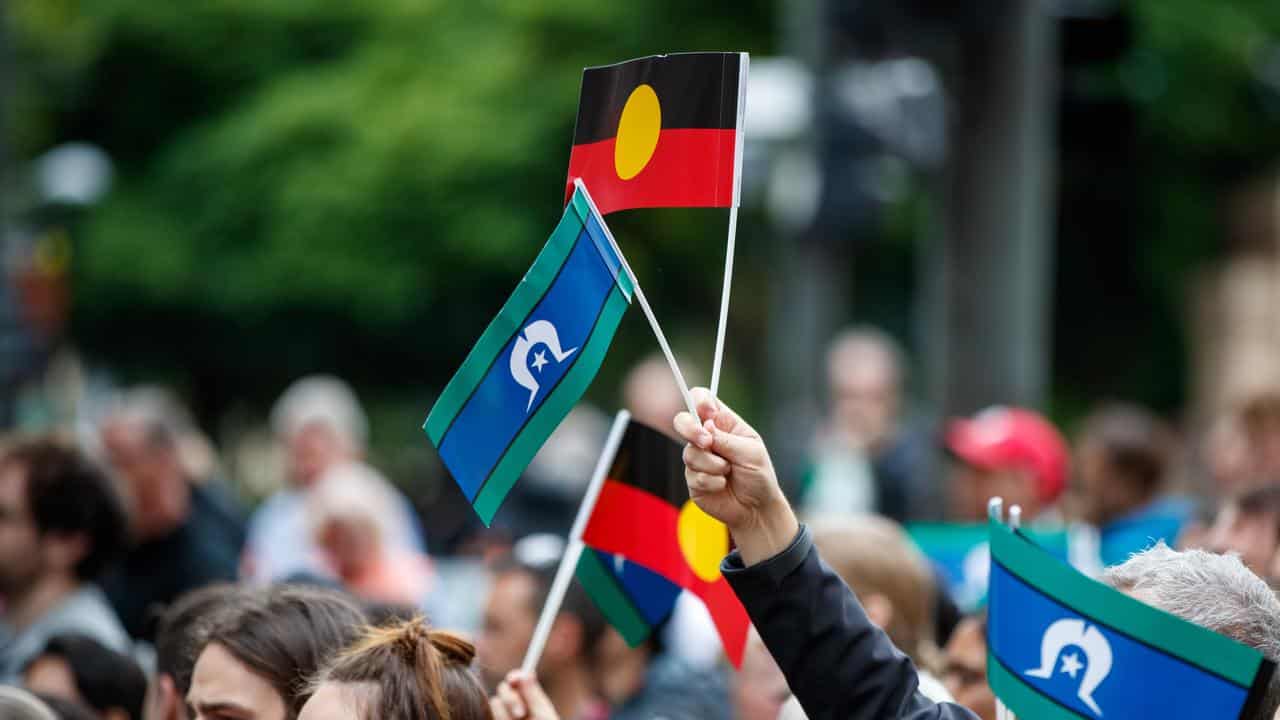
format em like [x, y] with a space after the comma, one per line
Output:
[573, 550]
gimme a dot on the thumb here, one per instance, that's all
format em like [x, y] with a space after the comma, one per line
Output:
[540, 706]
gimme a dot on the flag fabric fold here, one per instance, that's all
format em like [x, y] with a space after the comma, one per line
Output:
[661, 131]
[644, 517]
[534, 360]
[1062, 646]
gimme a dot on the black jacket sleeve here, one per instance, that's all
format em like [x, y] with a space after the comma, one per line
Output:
[839, 665]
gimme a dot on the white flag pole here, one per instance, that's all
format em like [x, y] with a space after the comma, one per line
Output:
[743, 67]
[644, 304]
[573, 550]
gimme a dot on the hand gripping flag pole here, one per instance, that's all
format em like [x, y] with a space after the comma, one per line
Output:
[644, 305]
[573, 550]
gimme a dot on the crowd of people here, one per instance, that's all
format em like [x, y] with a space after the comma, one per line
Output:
[133, 584]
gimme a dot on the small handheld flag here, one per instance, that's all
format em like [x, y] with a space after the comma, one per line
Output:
[644, 516]
[661, 131]
[961, 554]
[1062, 647]
[534, 360]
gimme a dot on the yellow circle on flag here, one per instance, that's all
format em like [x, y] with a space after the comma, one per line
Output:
[704, 541]
[637, 132]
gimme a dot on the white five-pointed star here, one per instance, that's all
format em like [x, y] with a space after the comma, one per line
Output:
[539, 359]
[1071, 664]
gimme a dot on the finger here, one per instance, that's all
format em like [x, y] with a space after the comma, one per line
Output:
[512, 700]
[711, 408]
[705, 402]
[705, 462]
[499, 710]
[689, 428]
[704, 484]
[743, 451]
[539, 704]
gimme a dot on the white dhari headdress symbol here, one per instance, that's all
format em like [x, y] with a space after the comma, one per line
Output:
[1095, 646]
[537, 332]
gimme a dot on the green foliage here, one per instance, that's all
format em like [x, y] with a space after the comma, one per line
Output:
[298, 180]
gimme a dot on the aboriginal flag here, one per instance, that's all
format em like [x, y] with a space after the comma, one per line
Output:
[644, 517]
[661, 131]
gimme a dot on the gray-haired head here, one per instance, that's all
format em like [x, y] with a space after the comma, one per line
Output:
[1213, 591]
[18, 704]
[322, 399]
[156, 411]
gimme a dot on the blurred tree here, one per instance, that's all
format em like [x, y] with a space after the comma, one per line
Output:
[338, 185]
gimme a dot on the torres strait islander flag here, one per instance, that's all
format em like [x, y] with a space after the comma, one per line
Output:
[1064, 647]
[661, 131]
[644, 517]
[534, 360]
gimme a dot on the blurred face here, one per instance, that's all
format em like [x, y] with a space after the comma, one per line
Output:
[51, 675]
[223, 688]
[865, 398]
[1253, 535]
[313, 449]
[971, 488]
[965, 673]
[21, 557]
[509, 621]
[760, 688]
[154, 479]
[337, 701]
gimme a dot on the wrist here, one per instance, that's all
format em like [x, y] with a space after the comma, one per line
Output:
[766, 532]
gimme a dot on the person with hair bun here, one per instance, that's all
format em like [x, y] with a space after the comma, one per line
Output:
[400, 672]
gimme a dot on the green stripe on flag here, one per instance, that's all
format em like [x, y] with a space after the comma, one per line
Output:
[526, 296]
[1101, 604]
[613, 603]
[552, 410]
[1022, 698]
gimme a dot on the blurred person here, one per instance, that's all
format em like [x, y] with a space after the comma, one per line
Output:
[179, 629]
[186, 532]
[402, 672]
[1122, 452]
[586, 668]
[1006, 452]
[1244, 444]
[256, 660]
[864, 460]
[893, 582]
[1248, 524]
[650, 392]
[79, 669]
[320, 422]
[759, 688]
[965, 667]
[350, 508]
[19, 704]
[807, 615]
[61, 523]
[517, 592]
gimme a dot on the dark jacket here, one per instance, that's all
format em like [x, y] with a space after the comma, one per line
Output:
[839, 665]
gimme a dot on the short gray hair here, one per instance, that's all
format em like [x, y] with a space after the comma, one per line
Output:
[1213, 591]
[321, 399]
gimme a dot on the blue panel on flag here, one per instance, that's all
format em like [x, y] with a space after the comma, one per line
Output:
[653, 595]
[498, 408]
[1093, 670]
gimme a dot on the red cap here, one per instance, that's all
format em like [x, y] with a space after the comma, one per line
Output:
[999, 438]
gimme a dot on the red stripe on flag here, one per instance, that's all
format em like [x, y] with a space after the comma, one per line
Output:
[690, 167]
[642, 528]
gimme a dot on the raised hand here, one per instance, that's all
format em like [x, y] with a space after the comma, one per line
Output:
[731, 477]
[521, 697]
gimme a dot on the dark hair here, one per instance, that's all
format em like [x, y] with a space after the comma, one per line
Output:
[64, 709]
[104, 678]
[285, 633]
[419, 674]
[181, 626]
[576, 600]
[1137, 444]
[69, 494]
